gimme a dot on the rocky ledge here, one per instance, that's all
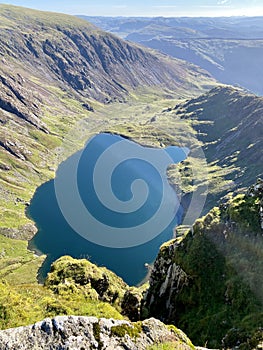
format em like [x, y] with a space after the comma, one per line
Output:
[79, 333]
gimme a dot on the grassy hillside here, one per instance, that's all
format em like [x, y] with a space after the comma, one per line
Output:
[72, 288]
[229, 123]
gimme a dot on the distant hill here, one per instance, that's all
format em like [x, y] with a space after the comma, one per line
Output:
[230, 48]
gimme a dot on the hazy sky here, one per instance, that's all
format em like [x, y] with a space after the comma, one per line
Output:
[148, 7]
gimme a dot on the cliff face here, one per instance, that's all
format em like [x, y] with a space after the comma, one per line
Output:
[209, 281]
[78, 55]
[72, 332]
[42, 55]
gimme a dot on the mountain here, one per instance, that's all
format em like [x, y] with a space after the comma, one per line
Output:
[223, 128]
[55, 70]
[78, 55]
[64, 80]
[230, 48]
[208, 281]
[200, 27]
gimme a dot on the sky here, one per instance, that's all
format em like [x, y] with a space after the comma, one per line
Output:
[147, 8]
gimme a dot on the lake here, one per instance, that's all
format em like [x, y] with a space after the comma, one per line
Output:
[110, 203]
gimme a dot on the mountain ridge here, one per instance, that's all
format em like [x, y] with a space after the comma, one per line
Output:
[229, 123]
[230, 48]
[85, 58]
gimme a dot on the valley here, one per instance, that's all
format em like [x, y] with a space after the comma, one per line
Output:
[64, 81]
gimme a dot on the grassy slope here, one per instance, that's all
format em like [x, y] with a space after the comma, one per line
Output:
[229, 124]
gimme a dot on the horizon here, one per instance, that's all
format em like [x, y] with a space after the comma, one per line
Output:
[149, 9]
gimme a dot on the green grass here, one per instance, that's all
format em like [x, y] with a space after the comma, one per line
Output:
[13, 14]
[73, 287]
[121, 330]
[17, 264]
[26, 304]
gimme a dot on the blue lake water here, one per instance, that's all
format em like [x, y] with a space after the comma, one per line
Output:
[65, 229]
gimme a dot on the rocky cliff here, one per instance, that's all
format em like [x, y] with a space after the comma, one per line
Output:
[40, 52]
[78, 55]
[209, 281]
[73, 332]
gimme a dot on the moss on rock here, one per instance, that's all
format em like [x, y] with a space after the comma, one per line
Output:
[132, 330]
[68, 274]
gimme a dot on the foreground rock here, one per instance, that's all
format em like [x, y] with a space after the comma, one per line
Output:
[72, 332]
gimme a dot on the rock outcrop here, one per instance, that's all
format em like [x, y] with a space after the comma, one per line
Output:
[131, 303]
[209, 282]
[257, 191]
[69, 274]
[79, 333]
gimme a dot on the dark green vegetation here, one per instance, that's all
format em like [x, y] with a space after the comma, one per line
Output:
[209, 282]
[231, 49]
[73, 287]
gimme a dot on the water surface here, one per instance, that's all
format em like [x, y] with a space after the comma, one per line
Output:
[56, 237]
